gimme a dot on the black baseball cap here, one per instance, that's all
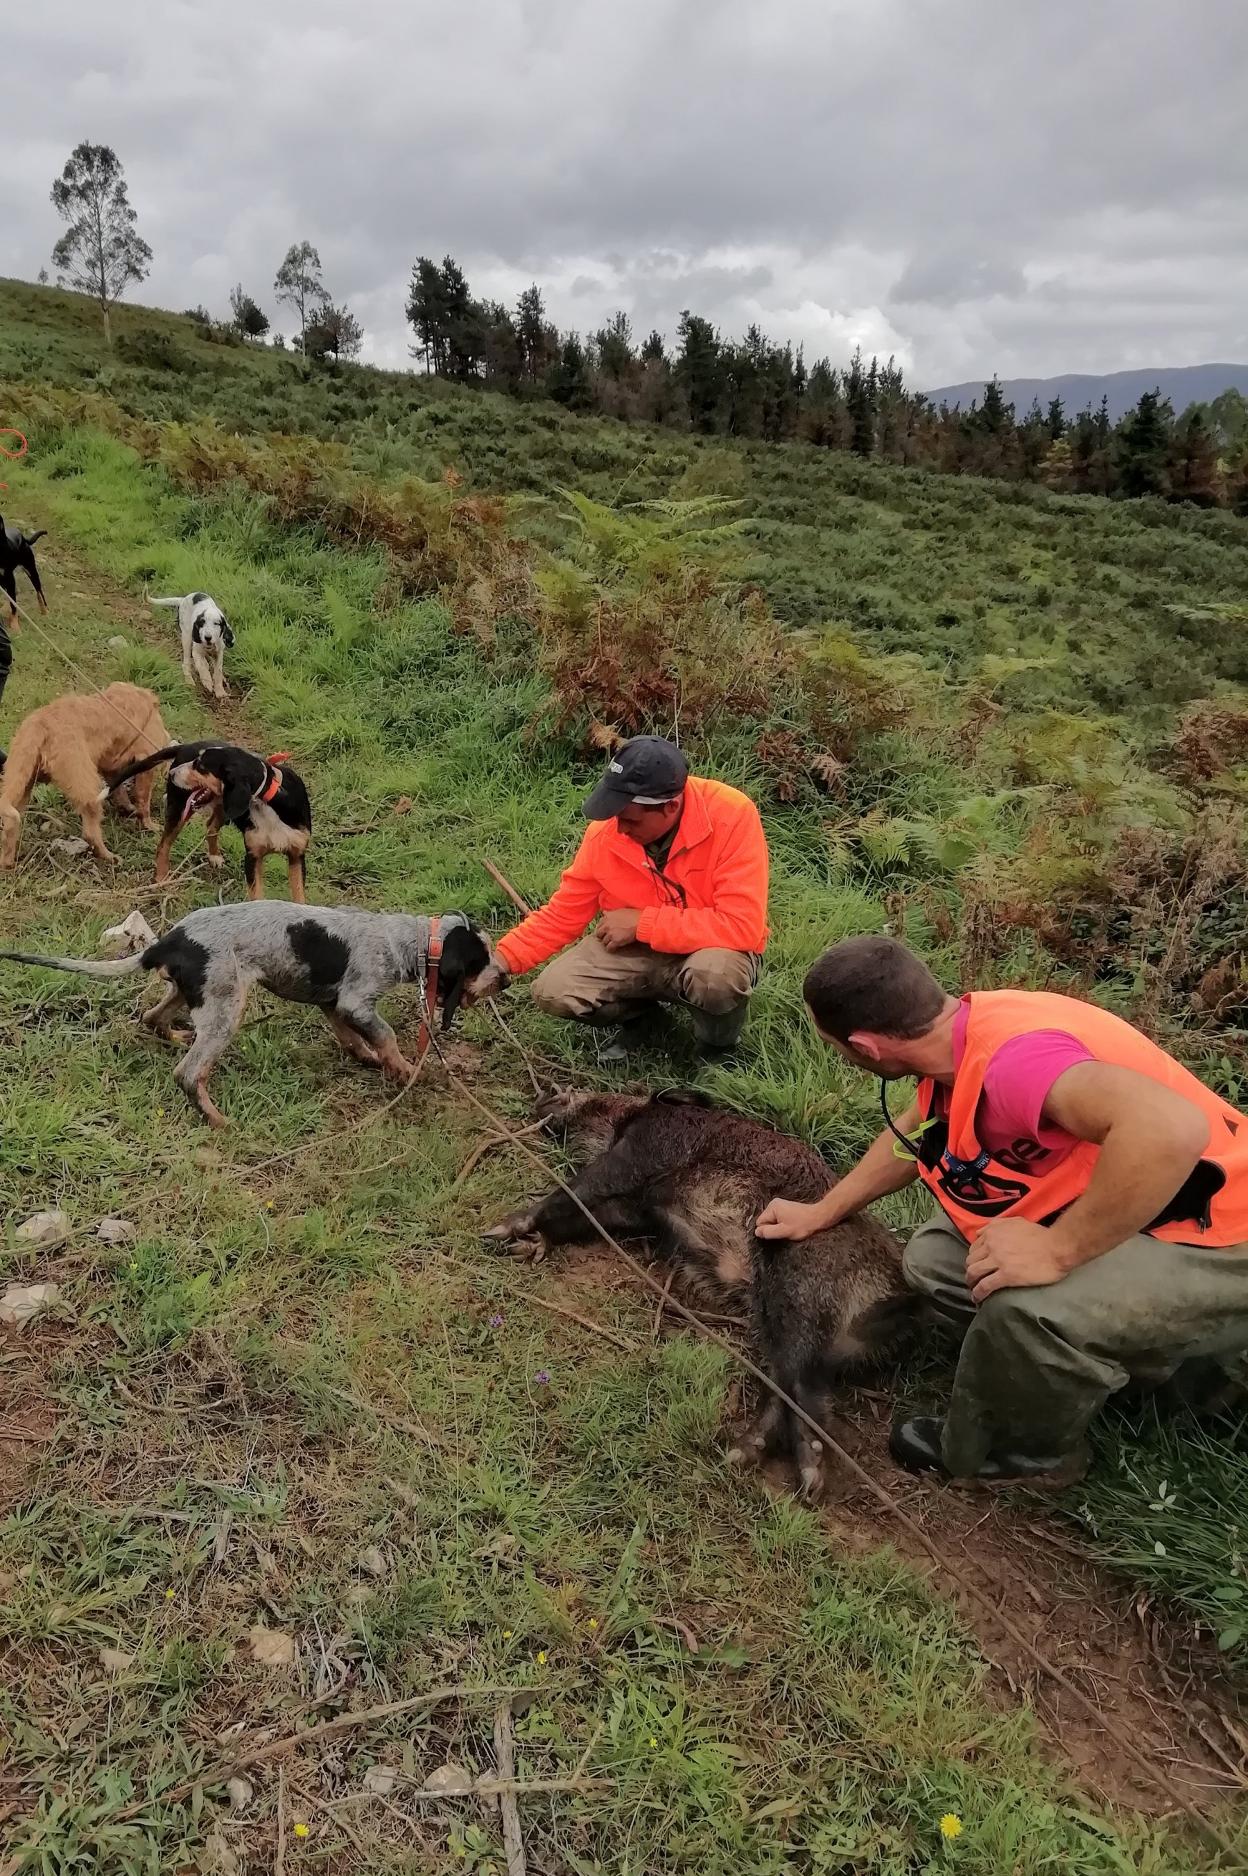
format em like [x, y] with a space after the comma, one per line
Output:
[643, 773]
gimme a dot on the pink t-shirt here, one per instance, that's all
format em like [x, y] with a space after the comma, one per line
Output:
[1017, 1081]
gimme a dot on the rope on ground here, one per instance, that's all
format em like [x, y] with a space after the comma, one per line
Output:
[879, 1492]
[77, 669]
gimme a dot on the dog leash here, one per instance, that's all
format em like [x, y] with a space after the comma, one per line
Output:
[429, 1007]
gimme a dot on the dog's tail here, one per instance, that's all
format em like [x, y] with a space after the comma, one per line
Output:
[128, 774]
[174, 601]
[85, 967]
[36, 536]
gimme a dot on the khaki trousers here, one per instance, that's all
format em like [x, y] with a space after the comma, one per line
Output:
[589, 984]
[1037, 1364]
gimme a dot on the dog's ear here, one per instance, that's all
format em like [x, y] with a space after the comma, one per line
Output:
[227, 632]
[465, 955]
[235, 797]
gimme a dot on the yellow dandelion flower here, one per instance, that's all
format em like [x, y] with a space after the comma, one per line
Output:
[301, 1830]
[268, 1205]
[541, 1657]
[168, 1595]
[593, 1621]
[653, 1742]
[506, 1634]
[134, 1268]
[951, 1825]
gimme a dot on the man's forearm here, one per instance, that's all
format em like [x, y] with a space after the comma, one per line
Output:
[879, 1172]
[1133, 1180]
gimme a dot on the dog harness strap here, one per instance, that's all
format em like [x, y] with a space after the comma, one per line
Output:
[433, 954]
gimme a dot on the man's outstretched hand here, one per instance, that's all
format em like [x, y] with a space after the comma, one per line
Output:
[1012, 1253]
[785, 1218]
[617, 929]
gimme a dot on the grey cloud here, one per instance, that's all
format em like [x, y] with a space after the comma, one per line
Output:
[803, 163]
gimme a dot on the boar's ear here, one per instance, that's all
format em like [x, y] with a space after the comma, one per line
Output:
[685, 1097]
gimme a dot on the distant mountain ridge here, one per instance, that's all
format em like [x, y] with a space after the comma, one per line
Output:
[1182, 384]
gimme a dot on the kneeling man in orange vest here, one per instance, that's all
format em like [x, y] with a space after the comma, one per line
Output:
[1093, 1222]
[674, 869]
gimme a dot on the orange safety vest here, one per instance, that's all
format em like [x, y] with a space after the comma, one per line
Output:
[1211, 1208]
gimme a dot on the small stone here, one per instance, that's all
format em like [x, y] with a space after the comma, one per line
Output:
[72, 848]
[380, 1780]
[119, 643]
[241, 1792]
[116, 1231]
[270, 1647]
[22, 1302]
[451, 1779]
[373, 1561]
[133, 934]
[115, 1660]
[403, 805]
[46, 1229]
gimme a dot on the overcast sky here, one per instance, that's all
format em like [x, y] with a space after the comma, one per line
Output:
[1025, 186]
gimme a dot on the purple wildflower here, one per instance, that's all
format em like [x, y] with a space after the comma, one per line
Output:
[542, 1378]
[496, 1321]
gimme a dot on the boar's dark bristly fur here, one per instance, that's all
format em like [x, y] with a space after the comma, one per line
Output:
[691, 1179]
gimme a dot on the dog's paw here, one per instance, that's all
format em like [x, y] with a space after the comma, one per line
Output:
[216, 860]
[508, 1230]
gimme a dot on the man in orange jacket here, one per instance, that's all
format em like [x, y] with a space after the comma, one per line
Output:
[1093, 1223]
[674, 868]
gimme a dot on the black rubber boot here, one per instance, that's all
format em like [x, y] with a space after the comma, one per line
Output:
[916, 1445]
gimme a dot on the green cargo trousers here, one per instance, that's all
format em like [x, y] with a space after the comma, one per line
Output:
[1037, 1364]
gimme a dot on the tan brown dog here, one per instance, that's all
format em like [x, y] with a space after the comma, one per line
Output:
[79, 743]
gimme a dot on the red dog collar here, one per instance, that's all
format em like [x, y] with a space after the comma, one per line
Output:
[275, 775]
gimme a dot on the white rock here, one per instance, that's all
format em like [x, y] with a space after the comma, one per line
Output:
[116, 1231]
[241, 1791]
[373, 1561]
[71, 848]
[115, 1660]
[380, 1780]
[21, 1302]
[270, 1647]
[450, 1778]
[133, 934]
[45, 1229]
[119, 643]
[220, 1860]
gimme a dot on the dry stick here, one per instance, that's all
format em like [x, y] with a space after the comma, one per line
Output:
[329, 1810]
[882, 1496]
[518, 1046]
[278, 1748]
[356, 1127]
[280, 1864]
[661, 1305]
[485, 1146]
[505, 1753]
[501, 879]
[595, 1328]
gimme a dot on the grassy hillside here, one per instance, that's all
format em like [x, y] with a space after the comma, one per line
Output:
[303, 1398]
[1114, 607]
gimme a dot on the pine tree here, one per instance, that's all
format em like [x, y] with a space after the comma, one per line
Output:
[537, 339]
[426, 314]
[1143, 445]
[569, 382]
[700, 370]
[654, 351]
[859, 388]
[1192, 469]
[101, 251]
[249, 320]
[1055, 419]
[333, 332]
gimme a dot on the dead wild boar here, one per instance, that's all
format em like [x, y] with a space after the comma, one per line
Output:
[691, 1179]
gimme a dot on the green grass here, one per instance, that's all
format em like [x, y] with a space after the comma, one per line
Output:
[320, 1350]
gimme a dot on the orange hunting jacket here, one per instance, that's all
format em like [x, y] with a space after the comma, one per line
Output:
[712, 894]
[973, 1188]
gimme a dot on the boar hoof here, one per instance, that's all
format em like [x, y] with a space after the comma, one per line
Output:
[515, 1226]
